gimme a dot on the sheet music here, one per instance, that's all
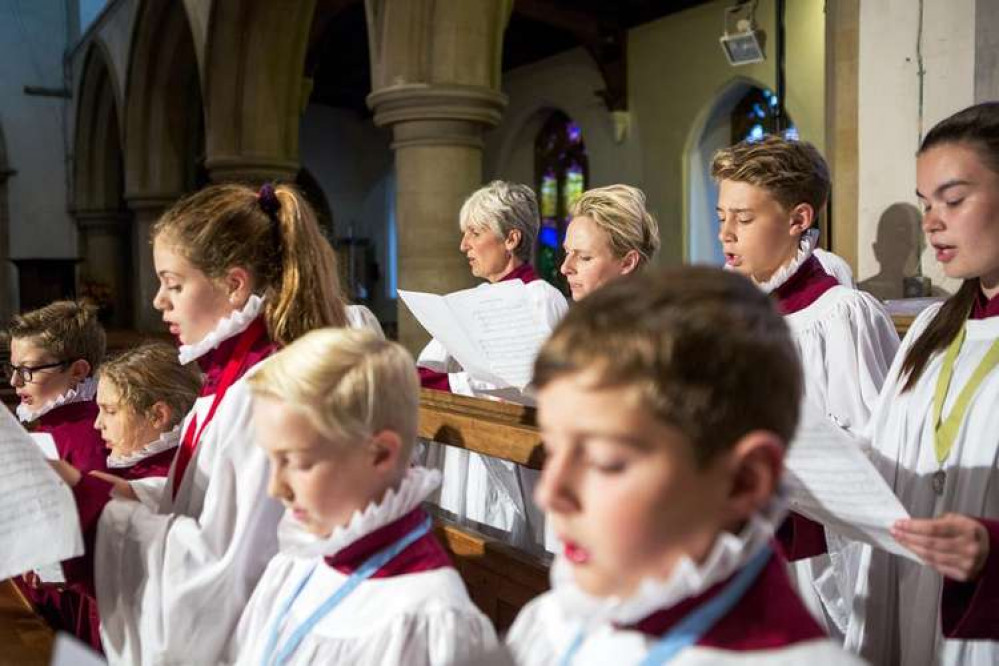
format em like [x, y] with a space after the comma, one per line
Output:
[831, 480]
[47, 445]
[70, 651]
[492, 331]
[38, 519]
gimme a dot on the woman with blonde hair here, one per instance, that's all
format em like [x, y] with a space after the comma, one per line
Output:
[611, 234]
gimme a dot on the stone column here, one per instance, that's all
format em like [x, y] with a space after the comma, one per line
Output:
[435, 80]
[146, 211]
[105, 240]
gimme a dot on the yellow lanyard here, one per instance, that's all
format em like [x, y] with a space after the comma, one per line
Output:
[947, 429]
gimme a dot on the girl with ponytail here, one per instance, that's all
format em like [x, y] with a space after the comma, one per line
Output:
[935, 430]
[242, 272]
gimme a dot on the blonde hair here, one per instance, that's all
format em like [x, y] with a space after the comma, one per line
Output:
[793, 172]
[274, 235]
[350, 384]
[150, 373]
[502, 207]
[619, 210]
[66, 329]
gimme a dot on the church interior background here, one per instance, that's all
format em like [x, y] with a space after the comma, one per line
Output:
[387, 113]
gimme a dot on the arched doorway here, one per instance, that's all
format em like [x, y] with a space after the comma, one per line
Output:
[98, 192]
[164, 134]
[742, 110]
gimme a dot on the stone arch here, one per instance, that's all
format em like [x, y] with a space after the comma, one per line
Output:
[6, 268]
[255, 87]
[164, 117]
[164, 132]
[99, 190]
[709, 132]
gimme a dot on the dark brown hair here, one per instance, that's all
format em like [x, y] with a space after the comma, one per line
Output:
[66, 329]
[274, 235]
[978, 128]
[706, 350]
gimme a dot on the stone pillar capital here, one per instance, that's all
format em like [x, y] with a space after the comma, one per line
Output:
[101, 220]
[250, 170]
[151, 201]
[437, 114]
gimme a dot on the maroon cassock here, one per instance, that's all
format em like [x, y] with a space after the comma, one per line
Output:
[769, 615]
[92, 494]
[438, 381]
[72, 428]
[424, 554]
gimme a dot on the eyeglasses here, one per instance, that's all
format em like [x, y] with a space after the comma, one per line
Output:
[27, 373]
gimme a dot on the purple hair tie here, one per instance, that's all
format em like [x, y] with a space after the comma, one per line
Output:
[268, 200]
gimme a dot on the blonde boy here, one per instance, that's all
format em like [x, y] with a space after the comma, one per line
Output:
[666, 403]
[359, 578]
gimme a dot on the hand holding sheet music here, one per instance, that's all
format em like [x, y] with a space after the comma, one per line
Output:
[38, 520]
[831, 480]
[491, 330]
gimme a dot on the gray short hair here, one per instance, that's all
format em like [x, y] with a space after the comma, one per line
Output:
[502, 207]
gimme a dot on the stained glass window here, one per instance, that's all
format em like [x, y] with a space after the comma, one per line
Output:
[562, 169]
[755, 116]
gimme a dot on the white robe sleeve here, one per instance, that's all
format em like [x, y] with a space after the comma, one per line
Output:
[171, 583]
[421, 619]
[846, 341]
[150, 490]
[836, 266]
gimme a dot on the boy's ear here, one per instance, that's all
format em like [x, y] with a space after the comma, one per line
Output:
[238, 285]
[757, 462]
[79, 369]
[802, 218]
[160, 415]
[386, 448]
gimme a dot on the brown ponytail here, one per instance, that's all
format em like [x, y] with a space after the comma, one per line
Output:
[307, 296]
[977, 127]
[273, 234]
[941, 331]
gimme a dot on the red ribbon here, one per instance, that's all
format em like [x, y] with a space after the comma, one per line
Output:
[234, 369]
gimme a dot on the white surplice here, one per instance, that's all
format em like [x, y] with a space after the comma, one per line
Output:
[846, 341]
[897, 605]
[480, 488]
[420, 618]
[172, 573]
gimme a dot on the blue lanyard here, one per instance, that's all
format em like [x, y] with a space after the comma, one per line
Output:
[695, 625]
[364, 572]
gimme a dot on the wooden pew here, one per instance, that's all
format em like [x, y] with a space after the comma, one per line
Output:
[25, 639]
[500, 578]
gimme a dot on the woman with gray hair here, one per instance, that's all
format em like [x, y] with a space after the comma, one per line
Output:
[499, 225]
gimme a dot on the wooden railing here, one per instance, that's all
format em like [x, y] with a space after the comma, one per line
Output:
[500, 578]
[25, 639]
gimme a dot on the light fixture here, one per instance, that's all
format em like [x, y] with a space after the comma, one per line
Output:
[742, 42]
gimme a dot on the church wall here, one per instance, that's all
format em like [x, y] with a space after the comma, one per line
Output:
[676, 72]
[352, 162]
[34, 128]
[894, 113]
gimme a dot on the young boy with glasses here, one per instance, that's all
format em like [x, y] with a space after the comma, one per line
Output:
[54, 352]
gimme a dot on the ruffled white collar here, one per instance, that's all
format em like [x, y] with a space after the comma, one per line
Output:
[228, 327]
[82, 392]
[688, 579]
[415, 487]
[164, 442]
[806, 245]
